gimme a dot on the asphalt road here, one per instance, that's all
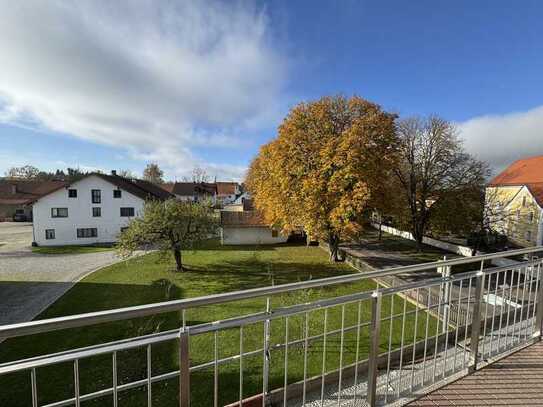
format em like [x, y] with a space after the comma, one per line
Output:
[30, 282]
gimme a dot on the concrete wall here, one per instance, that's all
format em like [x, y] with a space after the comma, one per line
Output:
[450, 247]
[80, 213]
[250, 235]
[233, 208]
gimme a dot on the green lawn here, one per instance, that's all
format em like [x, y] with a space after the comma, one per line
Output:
[215, 269]
[70, 249]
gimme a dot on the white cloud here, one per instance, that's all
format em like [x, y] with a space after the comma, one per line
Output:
[502, 139]
[153, 77]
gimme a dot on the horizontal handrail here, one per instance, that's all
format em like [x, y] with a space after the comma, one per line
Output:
[94, 350]
[207, 327]
[93, 318]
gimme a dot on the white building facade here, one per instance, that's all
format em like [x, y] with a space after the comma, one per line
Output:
[93, 210]
[250, 235]
[247, 228]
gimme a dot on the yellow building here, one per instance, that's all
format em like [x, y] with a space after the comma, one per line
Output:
[514, 202]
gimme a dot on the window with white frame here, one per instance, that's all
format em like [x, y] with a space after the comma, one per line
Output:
[96, 212]
[96, 196]
[87, 232]
[59, 212]
[127, 212]
[72, 193]
[49, 234]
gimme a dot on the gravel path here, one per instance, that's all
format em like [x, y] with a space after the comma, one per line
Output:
[30, 282]
[15, 236]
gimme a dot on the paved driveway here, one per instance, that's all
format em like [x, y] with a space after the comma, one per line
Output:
[30, 282]
[15, 236]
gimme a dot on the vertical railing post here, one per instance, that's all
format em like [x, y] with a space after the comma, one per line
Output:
[266, 356]
[539, 296]
[446, 295]
[184, 368]
[374, 348]
[476, 319]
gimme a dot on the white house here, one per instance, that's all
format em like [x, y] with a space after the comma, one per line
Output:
[247, 227]
[92, 210]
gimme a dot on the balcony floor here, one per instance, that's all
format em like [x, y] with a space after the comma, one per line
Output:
[514, 380]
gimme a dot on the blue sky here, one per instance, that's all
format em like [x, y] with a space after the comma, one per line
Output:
[115, 85]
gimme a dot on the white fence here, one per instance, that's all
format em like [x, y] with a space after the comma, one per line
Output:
[450, 247]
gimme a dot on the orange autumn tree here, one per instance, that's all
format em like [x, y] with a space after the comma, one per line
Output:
[325, 168]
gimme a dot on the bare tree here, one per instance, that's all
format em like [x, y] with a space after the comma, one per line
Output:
[433, 164]
[26, 172]
[125, 174]
[199, 175]
[153, 173]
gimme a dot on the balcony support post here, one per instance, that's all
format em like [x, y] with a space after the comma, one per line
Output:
[374, 348]
[476, 319]
[184, 368]
[539, 309]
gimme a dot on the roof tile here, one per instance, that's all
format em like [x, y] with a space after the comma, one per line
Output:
[521, 172]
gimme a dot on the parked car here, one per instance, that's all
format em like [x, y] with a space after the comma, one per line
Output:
[19, 217]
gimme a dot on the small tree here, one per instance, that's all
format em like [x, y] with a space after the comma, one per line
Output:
[153, 173]
[170, 226]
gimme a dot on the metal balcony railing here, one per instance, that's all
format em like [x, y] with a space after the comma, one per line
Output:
[386, 345]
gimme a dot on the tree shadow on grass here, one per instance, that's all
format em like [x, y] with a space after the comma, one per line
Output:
[252, 273]
[215, 244]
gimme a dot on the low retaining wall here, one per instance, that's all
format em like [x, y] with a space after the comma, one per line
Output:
[450, 247]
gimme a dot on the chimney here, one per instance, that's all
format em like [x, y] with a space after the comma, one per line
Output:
[113, 172]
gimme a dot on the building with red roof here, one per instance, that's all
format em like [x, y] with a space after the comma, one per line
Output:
[515, 197]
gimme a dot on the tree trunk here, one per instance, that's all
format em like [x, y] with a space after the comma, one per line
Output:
[333, 242]
[380, 227]
[178, 262]
[418, 235]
